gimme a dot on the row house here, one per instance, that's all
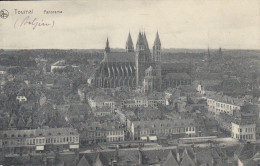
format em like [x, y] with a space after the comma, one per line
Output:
[35, 140]
[102, 101]
[101, 133]
[218, 103]
[152, 101]
[144, 130]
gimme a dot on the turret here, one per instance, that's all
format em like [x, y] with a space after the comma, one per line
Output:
[157, 49]
[129, 44]
[107, 49]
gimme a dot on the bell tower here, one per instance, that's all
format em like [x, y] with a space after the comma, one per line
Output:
[157, 49]
[129, 47]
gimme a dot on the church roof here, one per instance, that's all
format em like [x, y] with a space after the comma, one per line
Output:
[157, 40]
[119, 57]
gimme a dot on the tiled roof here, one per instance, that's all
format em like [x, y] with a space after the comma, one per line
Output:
[225, 99]
[160, 156]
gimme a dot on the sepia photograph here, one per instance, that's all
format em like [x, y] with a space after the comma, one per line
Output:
[130, 83]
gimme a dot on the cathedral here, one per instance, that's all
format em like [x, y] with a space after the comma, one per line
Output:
[138, 68]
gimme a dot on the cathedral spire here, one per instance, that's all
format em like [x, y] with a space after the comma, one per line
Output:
[145, 41]
[140, 42]
[157, 48]
[107, 49]
[139, 39]
[129, 44]
[157, 41]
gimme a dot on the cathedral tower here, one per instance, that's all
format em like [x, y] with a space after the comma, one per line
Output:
[156, 57]
[129, 44]
[107, 49]
[143, 57]
[157, 49]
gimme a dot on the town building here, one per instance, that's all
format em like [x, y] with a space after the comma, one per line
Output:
[219, 103]
[152, 100]
[96, 132]
[104, 111]
[15, 142]
[243, 131]
[21, 98]
[59, 65]
[154, 129]
[100, 101]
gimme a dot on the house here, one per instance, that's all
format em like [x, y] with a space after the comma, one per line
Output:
[98, 112]
[243, 131]
[96, 132]
[102, 101]
[59, 65]
[36, 140]
[21, 98]
[219, 103]
[154, 129]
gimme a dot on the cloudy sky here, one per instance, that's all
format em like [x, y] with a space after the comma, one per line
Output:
[181, 24]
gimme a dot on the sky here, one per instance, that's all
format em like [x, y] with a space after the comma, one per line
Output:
[230, 24]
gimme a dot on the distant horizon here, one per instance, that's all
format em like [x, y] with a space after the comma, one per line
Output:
[222, 48]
